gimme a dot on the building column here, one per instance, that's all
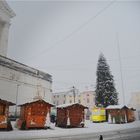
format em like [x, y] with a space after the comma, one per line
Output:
[4, 33]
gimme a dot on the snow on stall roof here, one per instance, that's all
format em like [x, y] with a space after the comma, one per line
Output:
[116, 106]
[38, 100]
[67, 105]
[5, 102]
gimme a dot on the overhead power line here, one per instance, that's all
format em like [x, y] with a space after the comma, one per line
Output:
[73, 32]
[88, 63]
[122, 82]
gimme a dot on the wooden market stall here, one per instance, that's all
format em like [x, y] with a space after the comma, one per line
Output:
[98, 114]
[35, 114]
[70, 115]
[120, 114]
[5, 124]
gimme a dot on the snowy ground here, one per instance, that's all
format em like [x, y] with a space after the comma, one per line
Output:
[89, 128]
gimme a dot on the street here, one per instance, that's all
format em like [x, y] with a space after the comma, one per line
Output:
[97, 138]
[129, 138]
[91, 131]
[114, 135]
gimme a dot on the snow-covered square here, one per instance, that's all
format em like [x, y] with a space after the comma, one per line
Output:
[58, 132]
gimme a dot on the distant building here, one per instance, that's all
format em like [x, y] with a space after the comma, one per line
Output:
[65, 97]
[86, 98]
[135, 103]
[19, 83]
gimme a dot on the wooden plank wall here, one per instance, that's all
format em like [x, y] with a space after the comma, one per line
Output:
[75, 114]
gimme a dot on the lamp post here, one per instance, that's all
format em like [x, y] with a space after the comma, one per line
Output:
[73, 93]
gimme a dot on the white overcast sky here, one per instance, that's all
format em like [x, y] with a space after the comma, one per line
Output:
[66, 38]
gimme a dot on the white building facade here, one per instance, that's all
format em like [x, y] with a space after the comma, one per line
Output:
[19, 83]
[87, 98]
[65, 97]
[6, 13]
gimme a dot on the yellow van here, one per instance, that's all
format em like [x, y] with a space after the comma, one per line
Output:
[98, 114]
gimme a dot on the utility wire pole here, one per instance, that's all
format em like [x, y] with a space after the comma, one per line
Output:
[16, 99]
[120, 63]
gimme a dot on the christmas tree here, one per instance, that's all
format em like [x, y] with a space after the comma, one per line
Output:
[105, 90]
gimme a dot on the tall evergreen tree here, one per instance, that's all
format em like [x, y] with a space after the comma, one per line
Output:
[105, 90]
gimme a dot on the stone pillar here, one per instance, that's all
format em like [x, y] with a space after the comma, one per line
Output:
[4, 32]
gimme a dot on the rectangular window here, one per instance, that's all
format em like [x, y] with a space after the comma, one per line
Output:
[57, 102]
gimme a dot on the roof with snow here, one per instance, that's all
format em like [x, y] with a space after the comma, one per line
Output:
[6, 102]
[40, 100]
[72, 104]
[116, 107]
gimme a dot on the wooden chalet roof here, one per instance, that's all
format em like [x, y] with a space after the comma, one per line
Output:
[72, 104]
[40, 101]
[118, 107]
[6, 102]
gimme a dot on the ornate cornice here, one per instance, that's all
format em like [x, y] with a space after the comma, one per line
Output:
[17, 66]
